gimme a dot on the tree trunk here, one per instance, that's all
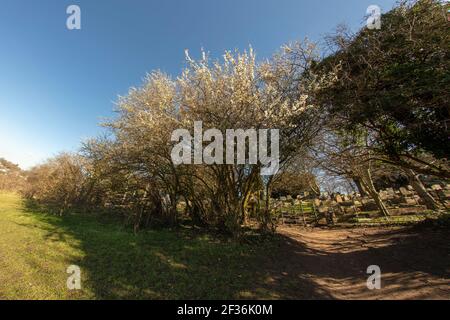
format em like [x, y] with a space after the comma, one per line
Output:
[418, 186]
[384, 210]
[314, 187]
[367, 183]
[265, 217]
[362, 191]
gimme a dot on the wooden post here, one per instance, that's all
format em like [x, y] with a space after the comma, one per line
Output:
[303, 212]
[315, 213]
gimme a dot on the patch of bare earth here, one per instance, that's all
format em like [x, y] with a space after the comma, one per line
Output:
[332, 263]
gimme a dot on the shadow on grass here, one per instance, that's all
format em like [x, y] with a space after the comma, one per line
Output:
[185, 264]
[170, 264]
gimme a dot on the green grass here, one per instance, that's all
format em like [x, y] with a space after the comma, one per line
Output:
[36, 248]
[398, 220]
[296, 209]
[392, 219]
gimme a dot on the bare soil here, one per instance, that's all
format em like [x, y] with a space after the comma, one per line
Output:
[332, 263]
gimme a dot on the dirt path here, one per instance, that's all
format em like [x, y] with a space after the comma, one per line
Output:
[332, 264]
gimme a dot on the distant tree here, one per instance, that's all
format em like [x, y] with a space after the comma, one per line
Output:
[294, 183]
[6, 165]
[58, 183]
[12, 178]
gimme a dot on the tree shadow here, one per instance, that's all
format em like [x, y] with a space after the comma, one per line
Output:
[414, 263]
[186, 264]
[168, 264]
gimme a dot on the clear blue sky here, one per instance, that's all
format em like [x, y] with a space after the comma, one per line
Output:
[56, 85]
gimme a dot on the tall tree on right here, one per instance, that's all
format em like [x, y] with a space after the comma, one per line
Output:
[395, 82]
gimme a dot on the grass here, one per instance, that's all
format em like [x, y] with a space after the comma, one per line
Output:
[428, 216]
[392, 220]
[36, 248]
[296, 209]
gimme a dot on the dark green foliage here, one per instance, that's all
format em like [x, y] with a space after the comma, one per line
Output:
[396, 81]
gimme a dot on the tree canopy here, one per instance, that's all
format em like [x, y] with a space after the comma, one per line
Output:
[396, 82]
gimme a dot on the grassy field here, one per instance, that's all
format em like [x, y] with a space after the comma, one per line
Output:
[36, 248]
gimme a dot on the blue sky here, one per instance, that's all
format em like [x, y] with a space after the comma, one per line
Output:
[57, 84]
